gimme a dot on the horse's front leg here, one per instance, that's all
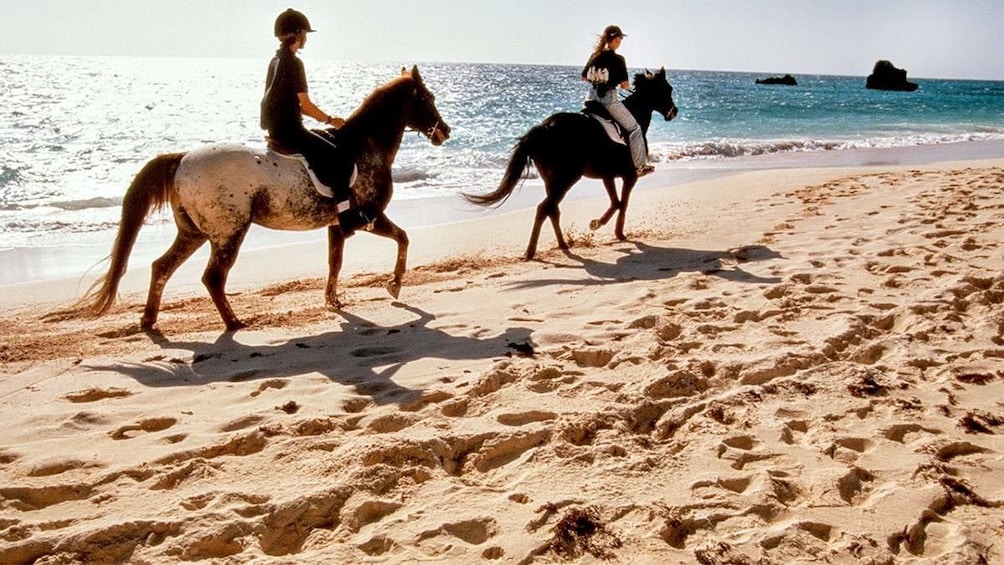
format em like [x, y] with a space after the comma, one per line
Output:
[386, 228]
[625, 195]
[336, 250]
[608, 183]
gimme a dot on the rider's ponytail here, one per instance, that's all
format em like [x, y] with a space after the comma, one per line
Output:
[601, 44]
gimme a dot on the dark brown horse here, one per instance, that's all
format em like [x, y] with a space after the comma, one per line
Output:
[217, 192]
[568, 146]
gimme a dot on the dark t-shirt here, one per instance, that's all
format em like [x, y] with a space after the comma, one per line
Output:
[606, 70]
[280, 107]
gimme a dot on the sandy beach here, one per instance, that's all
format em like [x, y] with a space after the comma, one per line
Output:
[780, 366]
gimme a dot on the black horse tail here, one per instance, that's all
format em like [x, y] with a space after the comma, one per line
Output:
[149, 191]
[522, 154]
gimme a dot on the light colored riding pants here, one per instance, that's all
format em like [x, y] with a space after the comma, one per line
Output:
[636, 137]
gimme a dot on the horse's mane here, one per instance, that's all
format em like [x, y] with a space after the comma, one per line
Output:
[378, 96]
[647, 75]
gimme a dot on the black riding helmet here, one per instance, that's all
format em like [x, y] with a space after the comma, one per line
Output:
[291, 21]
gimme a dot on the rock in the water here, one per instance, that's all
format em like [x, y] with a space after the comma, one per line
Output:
[885, 76]
[787, 80]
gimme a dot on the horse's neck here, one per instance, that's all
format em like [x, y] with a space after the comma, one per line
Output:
[366, 135]
[642, 114]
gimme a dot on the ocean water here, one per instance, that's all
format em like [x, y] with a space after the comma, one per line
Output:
[75, 130]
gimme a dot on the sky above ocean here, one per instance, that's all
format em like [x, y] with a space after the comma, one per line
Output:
[929, 38]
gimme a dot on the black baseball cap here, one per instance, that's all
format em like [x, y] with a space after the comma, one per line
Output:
[613, 31]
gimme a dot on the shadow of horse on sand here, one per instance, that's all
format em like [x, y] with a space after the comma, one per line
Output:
[361, 354]
[649, 263]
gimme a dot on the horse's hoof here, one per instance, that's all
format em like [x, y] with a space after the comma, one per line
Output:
[236, 325]
[394, 288]
[151, 330]
[595, 225]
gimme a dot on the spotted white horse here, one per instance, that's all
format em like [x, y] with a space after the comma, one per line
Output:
[217, 192]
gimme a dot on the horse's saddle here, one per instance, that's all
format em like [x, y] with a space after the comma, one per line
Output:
[599, 112]
[279, 150]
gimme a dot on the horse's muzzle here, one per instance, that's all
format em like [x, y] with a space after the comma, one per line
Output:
[438, 134]
[671, 113]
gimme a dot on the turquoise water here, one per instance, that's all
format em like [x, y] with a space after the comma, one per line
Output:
[74, 130]
[726, 115]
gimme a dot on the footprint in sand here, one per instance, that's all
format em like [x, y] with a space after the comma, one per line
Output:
[148, 426]
[475, 532]
[524, 418]
[847, 450]
[854, 485]
[506, 448]
[370, 511]
[792, 430]
[592, 357]
[58, 466]
[951, 450]
[739, 450]
[907, 433]
[277, 384]
[377, 545]
[95, 394]
[801, 536]
[713, 489]
[241, 423]
[389, 423]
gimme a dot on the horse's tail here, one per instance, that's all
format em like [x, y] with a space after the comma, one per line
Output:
[522, 154]
[149, 191]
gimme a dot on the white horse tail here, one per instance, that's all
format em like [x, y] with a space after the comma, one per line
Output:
[149, 191]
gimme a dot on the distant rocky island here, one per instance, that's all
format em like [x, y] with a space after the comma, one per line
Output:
[787, 80]
[885, 76]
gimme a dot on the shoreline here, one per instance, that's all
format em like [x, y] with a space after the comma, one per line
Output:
[66, 267]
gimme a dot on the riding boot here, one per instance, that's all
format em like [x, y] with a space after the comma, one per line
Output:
[356, 217]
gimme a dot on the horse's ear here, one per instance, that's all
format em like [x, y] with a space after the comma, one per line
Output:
[414, 73]
[662, 71]
[404, 72]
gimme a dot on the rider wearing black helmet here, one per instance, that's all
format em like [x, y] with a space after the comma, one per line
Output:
[282, 109]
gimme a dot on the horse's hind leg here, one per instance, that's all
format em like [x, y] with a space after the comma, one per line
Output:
[543, 211]
[188, 240]
[549, 209]
[221, 259]
[608, 183]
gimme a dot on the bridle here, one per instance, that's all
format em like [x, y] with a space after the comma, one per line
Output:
[430, 131]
